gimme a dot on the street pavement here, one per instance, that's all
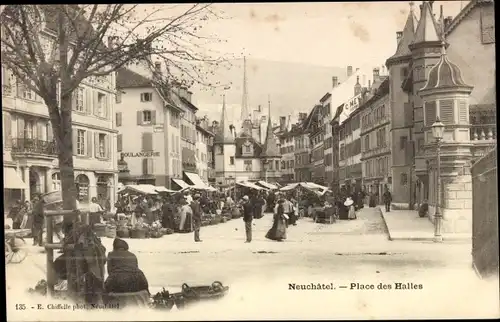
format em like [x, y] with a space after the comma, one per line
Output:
[259, 274]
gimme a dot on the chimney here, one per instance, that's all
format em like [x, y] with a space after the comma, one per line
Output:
[369, 84]
[376, 74]
[382, 71]
[349, 71]
[183, 92]
[282, 123]
[357, 87]
[335, 81]
[357, 69]
[447, 21]
[399, 35]
[364, 80]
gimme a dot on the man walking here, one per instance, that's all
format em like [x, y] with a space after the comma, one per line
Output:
[387, 199]
[196, 208]
[248, 217]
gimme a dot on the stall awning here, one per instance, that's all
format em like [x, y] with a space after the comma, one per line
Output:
[267, 185]
[181, 183]
[249, 185]
[11, 179]
[147, 189]
[163, 189]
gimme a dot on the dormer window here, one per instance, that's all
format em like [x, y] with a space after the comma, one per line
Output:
[247, 148]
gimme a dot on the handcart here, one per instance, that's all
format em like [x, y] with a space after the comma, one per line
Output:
[15, 251]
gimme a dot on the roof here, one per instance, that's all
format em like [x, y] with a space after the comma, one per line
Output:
[240, 141]
[125, 78]
[325, 97]
[309, 120]
[464, 13]
[270, 148]
[206, 131]
[427, 29]
[223, 134]
[407, 37]
[188, 103]
[444, 74]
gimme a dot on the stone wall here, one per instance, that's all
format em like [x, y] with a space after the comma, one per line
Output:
[485, 215]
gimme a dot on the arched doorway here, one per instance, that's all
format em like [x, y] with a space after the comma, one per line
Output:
[34, 182]
[103, 189]
[82, 187]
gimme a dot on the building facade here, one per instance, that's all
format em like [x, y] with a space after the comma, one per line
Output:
[30, 152]
[287, 148]
[375, 141]
[148, 121]
[204, 143]
[302, 151]
[316, 132]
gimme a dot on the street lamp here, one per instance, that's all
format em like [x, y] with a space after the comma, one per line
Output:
[437, 132]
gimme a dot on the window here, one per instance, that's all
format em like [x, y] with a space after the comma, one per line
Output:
[403, 141]
[25, 92]
[102, 106]
[118, 97]
[78, 100]
[29, 129]
[56, 181]
[231, 160]
[119, 143]
[102, 145]
[80, 142]
[146, 117]
[82, 186]
[247, 149]
[404, 179]
[118, 119]
[248, 165]
[146, 97]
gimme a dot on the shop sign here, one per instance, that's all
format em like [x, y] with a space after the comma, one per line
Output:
[140, 154]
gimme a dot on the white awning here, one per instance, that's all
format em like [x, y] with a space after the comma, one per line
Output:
[163, 189]
[267, 185]
[11, 179]
[147, 189]
[198, 183]
[249, 185]
[182, 184]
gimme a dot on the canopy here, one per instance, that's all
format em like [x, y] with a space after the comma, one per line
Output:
[198, 183]
[163, 189]
[249, 185]
[146, 189]
[267, 185]
[182, 184]
[316, 188]
[11, 179]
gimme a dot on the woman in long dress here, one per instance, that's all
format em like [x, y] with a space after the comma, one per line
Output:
[278, 230]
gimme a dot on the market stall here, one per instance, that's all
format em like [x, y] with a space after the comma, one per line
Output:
[267, 185]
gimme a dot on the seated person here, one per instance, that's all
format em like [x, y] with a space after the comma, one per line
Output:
[124, 275]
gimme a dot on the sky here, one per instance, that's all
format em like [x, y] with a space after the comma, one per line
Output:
[326, 34]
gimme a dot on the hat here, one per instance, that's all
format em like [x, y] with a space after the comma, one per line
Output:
[245, 197]
[348, 202]
[196, 196]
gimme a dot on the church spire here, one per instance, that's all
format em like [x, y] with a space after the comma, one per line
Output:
[270, 149]
[245, 114]
[223, 134]
[407, 35]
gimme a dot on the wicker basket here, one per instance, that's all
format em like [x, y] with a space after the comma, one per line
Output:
[100, 230]
[138, 233]
[111, 232]
[122, 232]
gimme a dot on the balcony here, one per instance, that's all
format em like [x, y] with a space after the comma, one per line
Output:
[375, 152]
[23, 147]
[483, 132]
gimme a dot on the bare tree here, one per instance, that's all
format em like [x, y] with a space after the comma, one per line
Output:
[51, 49]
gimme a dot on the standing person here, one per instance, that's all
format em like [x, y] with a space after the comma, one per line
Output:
[167, 211]
[387, 196]
[248, 212]
[289, 211]
[185, 216]
[38, 220]
[349, 203]
[197, 212]
[95, 210]
[278, 230]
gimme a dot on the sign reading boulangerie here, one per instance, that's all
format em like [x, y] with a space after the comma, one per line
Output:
[140, 154]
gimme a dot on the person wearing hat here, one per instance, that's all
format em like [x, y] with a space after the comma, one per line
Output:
[349, 203]
[38, 219]
[248, 211]
[196, 211]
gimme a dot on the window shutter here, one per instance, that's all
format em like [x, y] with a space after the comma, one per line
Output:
[20, 127]
[118, 119]
[107, 103]
[462, 112]
[119, 143]
[88, 100]
[151, 166]
[118, 96]
[153, 117]
[20, 88]
[50, 134]
[487, 24]
[89, 144]
[446, 112]
[74, 135]
[95, 102]
[96, 144]
[430, 113]
[147, 142]
[139, 117]
[7, 130]
[107, 146]
[144, 166]
[73, 99]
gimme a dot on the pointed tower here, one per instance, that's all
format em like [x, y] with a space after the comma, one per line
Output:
[246, 117]
[426, 53]
[270, 153]
[446, 95]
[225, 150]
[399, 69]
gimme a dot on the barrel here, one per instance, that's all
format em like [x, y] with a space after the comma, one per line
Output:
[122, 232]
